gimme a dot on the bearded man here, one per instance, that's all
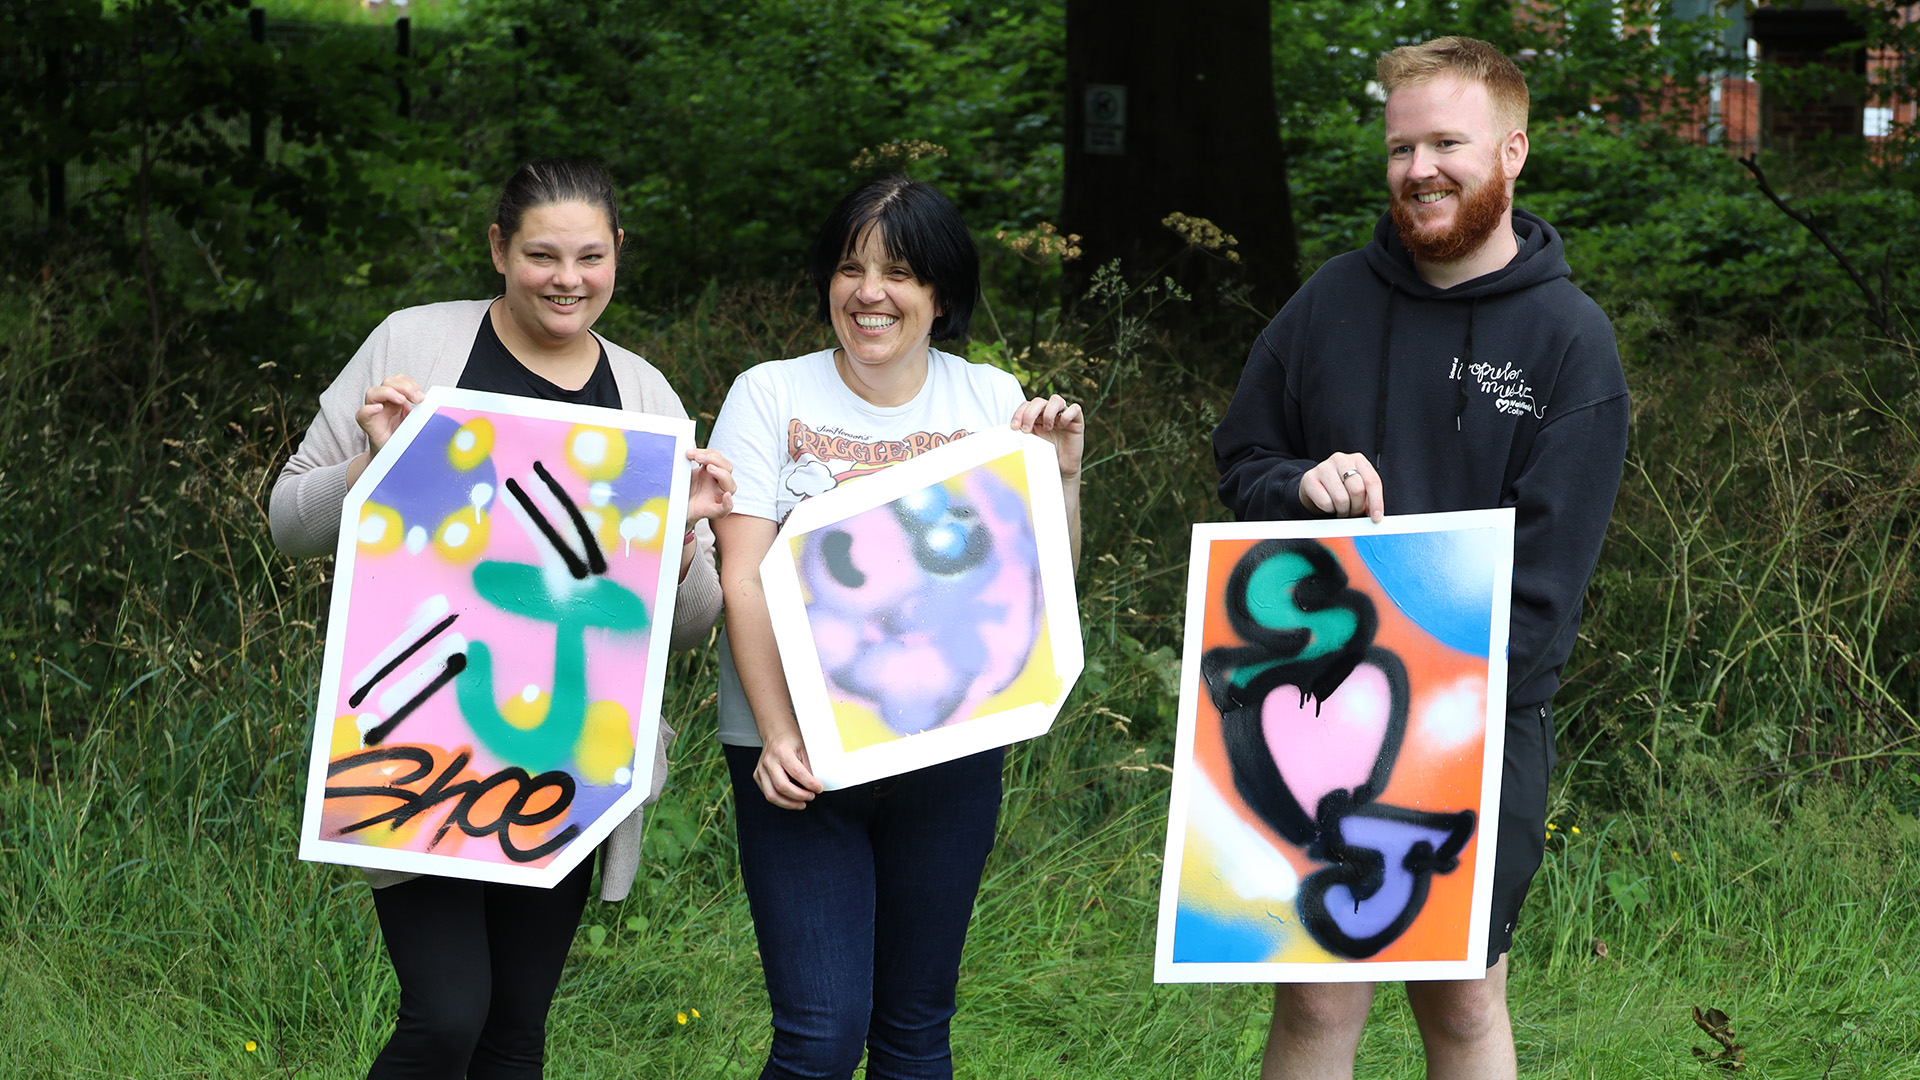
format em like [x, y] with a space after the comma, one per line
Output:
[1451, 361]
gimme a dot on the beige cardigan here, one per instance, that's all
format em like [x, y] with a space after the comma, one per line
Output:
[431, 343]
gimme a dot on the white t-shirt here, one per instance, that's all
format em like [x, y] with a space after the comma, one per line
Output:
[793, 429]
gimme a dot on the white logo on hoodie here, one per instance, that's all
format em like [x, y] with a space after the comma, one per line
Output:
[1506, 385]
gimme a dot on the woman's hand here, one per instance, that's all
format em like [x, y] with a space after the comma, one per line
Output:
[710, 495]
[1065, 426]
[1061, 424]
[784, 774]
[387, 405]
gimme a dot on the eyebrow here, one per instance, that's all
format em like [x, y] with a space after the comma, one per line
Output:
[1395, 137]
[534, 242]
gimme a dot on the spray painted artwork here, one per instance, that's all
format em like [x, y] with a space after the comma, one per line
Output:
[1337, 769]
[496, 647]
[928, 611]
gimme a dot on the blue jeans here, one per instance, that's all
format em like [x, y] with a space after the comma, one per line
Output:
[860, 903]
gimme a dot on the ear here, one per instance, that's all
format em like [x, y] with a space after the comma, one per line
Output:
[497, 244]
[1513, 155]
[619, 240]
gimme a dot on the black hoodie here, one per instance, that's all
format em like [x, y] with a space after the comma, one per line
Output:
[1501, 391]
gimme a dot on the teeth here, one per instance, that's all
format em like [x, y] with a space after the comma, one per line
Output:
[565, 301]
[874, 322]
[1431, 196]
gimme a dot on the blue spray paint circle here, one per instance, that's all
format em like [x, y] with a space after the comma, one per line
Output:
[1440, 580]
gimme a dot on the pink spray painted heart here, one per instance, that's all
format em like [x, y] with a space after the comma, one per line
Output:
[1334, 748]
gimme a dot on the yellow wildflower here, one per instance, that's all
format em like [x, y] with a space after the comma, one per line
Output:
[680, 1018]
[896, 153]
[252, 1046]
[1202, 233]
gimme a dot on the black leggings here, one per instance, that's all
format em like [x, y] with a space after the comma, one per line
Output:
[478, 964]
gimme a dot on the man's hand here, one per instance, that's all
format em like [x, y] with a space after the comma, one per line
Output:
[1344, 485]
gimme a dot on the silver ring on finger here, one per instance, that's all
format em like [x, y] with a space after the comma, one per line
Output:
[1349, 473]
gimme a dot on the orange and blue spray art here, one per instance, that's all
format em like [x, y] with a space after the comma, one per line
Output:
[1338, 751]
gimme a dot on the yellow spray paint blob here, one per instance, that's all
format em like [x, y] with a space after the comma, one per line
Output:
[463, 535]
[527, 709]
[380, 529]
[346, 736]
[645, 528]
[606, 742]
[471, 444]
[597, 453]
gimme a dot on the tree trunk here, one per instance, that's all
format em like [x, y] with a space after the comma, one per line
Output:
[1200, 136]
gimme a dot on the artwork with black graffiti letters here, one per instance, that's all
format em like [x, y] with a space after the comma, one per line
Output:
[495, 651]
[1337, 769]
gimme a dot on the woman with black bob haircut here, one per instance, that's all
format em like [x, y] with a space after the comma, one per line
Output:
[478, 962]
[917, 226]
[860, 896]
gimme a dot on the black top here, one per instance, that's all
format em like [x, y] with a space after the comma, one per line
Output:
[1501, 391]
[492, 368]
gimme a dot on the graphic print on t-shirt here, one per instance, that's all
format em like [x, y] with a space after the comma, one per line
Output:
[820, 459]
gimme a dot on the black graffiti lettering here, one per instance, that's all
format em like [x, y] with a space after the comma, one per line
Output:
[393, 665]
[468, 794]
[376, 734]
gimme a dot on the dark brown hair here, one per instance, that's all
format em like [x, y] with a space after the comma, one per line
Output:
[554, 180]
[920, 227]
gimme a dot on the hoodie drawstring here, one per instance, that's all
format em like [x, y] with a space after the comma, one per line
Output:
[1380, 402]
[1466, 364]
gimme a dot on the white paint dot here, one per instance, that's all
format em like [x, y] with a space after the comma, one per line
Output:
[416, 540]
[531, 694]
[590, 447]
[366, 722]
[372, 528]
[641, 526]
[599, 493]
[463, 440]
[623, 776]
[457, 534]
[481, 495]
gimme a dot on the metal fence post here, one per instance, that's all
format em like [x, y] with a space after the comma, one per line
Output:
[403, 35]
[56, 105]
[257, 115]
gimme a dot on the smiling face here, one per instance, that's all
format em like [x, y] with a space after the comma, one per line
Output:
[881, 311]
[559, 270]
[1450, 168]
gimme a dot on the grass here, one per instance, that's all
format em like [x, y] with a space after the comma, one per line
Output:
[362, 12]
[137, 950]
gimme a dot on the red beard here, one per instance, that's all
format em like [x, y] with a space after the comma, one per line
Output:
[1482, 208]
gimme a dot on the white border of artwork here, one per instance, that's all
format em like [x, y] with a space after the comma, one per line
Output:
[806, 681]
[315, 849]
[1190, 786]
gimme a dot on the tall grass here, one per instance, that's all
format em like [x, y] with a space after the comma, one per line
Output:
[1737, 728]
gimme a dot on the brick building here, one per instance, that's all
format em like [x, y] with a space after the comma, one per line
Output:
[1794, 42]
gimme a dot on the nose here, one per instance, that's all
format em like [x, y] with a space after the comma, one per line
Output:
[1422, 166]
[567, 274]
[872, 287]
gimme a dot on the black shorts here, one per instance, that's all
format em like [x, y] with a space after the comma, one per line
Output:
[1525, 769]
